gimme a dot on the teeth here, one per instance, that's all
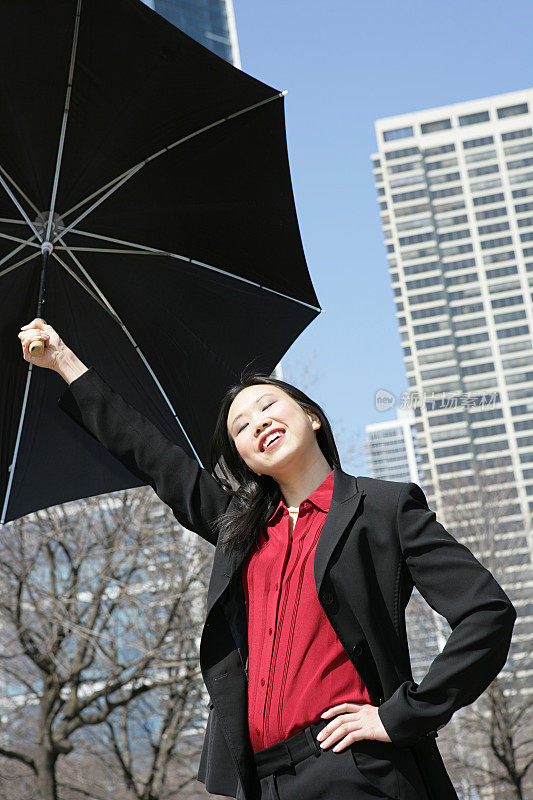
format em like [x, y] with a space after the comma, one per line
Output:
[271, 438]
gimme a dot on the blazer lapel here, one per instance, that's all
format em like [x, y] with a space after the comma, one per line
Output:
[344, 504]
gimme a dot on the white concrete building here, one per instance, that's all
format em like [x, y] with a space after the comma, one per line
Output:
[455, 187]
[391, 450]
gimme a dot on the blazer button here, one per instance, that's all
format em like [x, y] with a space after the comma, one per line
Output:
[357, 650]
[327, 598]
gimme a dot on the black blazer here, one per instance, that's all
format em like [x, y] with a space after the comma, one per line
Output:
[378, 540]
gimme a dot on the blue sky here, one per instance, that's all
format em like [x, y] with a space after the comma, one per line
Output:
[346, 63]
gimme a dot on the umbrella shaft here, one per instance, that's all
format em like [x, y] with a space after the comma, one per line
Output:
[42, 287]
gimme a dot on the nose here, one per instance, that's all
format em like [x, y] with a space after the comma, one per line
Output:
[260, 427]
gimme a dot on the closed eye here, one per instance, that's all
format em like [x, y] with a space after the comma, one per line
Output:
[263, 409]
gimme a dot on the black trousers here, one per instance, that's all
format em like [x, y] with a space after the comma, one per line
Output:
[299, 769]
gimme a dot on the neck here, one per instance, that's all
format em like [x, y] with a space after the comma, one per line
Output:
[296, 487]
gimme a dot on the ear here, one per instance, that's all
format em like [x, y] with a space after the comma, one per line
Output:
[315, 422]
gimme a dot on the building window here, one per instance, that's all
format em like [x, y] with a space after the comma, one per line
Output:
[500, 272]
[412, 254]
[501, 302]
[446, 192]
[523, 177]
[436, 151]
[447, 162]
[474, 119]
[399, 198]
[455, 251]
[420, 237]
[525, 222]
[478, 142]
[522, 162]
[406, 166]
[499, 226]
[490, 168]
[447, 237]
[492, 212]
[484, 155]
[446, 178]
[517, 134]
[505, 333]
[411, 224]
[397, 133]
[465, 263]
[416, 269]
[520, 207]
[410, 210]
[488, 198]
[448, 222]
[494, 258]
[445, 207]
[512, 111]
[407, 180]
[490, 243]
[518, 148]
[510, 316]
[527, 192]
[439, 125]
[484, 185]
[408, 151]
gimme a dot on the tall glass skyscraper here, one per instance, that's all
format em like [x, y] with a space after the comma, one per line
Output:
[210, 22]
[455, 189]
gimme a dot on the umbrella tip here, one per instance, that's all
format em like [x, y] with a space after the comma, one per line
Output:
[284, 92]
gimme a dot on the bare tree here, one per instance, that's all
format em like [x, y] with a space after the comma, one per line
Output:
[490, 748]
[100, 616]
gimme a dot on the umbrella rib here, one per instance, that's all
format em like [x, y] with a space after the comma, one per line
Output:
[17, 443]
[65, 119]
[105, 250]
[111, 311]
[18, 239]
[12, 221]
[19, 190]
[78, 279]
[95, 204]
[19, 263]
[132, 170]
[14, 199]
[157, 252]
[14, 252]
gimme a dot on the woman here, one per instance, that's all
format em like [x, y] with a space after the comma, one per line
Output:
[304, 651]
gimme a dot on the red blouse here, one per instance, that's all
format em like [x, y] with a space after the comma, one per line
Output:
[297, 667]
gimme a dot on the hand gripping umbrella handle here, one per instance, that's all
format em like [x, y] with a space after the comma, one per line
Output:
[36, 347]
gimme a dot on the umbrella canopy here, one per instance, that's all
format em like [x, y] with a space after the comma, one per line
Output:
[153, 178]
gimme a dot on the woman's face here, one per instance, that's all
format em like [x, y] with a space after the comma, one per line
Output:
[261, 410]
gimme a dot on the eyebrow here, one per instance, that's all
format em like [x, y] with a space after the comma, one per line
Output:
[266, 394]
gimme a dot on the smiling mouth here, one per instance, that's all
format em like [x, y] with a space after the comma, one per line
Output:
[274, 442]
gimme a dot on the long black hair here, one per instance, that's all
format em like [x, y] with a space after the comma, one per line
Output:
[257, 495]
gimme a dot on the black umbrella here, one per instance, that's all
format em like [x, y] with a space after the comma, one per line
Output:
[147, 180]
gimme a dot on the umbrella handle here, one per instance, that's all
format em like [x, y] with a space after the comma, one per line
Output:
[36, 348]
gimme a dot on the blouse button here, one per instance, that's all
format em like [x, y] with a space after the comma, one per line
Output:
[258, 732]
[270, 631]
[262, 681]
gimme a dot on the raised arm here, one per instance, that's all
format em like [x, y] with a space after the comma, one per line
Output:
[192, 493]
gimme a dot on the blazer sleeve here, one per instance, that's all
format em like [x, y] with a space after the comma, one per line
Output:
[457, 586]
[192, 493]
